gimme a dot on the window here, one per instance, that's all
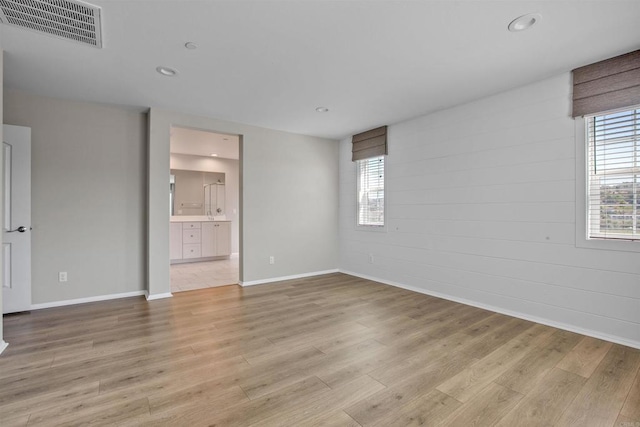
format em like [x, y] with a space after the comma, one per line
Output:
[613, 163]
[371, 192]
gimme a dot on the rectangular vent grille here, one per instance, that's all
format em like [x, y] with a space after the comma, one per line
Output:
[68, 19]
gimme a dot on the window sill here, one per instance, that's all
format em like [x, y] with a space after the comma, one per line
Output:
[609, 245]
[374, 228]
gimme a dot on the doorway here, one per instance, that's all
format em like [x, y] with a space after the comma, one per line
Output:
[204, 208]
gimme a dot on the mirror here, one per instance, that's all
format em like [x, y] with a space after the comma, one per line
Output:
[197, 193]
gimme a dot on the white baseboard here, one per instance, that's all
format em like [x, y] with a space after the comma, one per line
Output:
[295, 276]
[85, 300]
[3, 345]
[157, 296]
[543, 321]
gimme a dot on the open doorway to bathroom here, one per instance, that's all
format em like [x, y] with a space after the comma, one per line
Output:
[204, 203]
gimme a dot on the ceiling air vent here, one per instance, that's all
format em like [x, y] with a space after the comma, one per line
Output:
[68, 19]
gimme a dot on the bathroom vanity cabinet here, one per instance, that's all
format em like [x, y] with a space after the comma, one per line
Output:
[192, 241]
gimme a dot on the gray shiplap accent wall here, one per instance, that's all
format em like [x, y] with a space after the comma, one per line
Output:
[481, 208]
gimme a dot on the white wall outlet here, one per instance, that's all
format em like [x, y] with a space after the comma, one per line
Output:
[370, 258]
[272, 259]
[62, 276]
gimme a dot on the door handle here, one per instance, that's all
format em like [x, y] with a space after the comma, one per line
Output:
[20, 229]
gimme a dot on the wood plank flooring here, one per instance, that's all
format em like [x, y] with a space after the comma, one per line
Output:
[332, 350]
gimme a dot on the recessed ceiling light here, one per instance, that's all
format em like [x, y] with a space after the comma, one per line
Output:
[191, 45]
[322, 109]
[524, 22]
[213, 155]
[166, 71]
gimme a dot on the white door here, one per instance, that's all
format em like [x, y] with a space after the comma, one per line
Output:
[16, 235]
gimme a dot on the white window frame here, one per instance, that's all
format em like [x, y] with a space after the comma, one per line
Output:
[367, 227]
[581, 209]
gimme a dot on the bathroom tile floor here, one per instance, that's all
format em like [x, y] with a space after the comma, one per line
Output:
[208, 274]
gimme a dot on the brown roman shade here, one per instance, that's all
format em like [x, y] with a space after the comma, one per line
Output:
[607, 85]
[371, 143]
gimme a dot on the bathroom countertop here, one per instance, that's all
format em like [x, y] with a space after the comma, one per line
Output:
[197, 218]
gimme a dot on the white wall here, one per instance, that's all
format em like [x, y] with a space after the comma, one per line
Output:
[231, 170]
[481, 208]
[288, 206]
[88, 193]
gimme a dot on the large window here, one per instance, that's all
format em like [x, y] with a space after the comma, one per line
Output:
[371, 192]
[613, 162]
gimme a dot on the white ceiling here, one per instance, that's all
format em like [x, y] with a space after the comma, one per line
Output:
[200, 143]
[271, 63]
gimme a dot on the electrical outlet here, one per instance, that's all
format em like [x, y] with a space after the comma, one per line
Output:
[370, 258]
[272, 260]
[62, 276]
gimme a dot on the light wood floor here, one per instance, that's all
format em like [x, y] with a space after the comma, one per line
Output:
[331, 350]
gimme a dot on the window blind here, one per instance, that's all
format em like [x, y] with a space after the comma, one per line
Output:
[371, 143]
[614, 175]
[607, 85]
[371, 192]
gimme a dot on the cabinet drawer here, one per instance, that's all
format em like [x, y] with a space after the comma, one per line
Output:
[190, 225]
[191, 250]
[190, 236]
